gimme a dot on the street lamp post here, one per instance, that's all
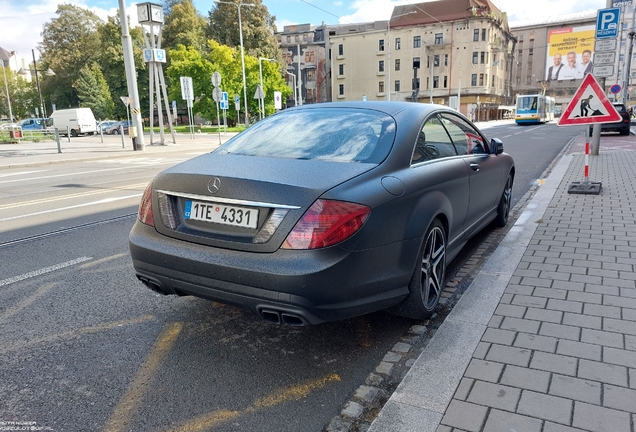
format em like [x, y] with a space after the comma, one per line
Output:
[238, 6]
[293, 86]
[388, 40]
[261, 104]
[47, 72]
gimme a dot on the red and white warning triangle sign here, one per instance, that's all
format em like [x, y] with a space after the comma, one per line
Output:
[589, 105]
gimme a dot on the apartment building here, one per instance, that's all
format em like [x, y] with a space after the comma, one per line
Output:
[453, 52]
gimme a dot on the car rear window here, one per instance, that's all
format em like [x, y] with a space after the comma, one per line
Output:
[332, 134]
[620, 107]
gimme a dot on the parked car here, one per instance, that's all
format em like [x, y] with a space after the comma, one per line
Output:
[623, 126]
[77, 121]
[325, 212]
[115, 129]
[34, 123]
[104, 125]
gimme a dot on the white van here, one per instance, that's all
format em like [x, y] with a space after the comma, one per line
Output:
[80, 121]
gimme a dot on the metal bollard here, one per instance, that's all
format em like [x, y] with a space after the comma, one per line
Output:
[68, 133]
[57, 138]
[121, 133]
[101, 133]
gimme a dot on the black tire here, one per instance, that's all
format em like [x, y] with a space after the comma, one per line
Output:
[625, 132]
[73, 133]
[503, 210]
[427, 283]
[115, 132]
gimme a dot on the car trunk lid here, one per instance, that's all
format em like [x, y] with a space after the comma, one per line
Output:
[242, 202]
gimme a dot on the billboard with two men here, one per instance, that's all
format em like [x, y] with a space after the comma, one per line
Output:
[570, 51]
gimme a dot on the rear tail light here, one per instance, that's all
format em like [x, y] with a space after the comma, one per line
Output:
[145, 207]
[326, 223]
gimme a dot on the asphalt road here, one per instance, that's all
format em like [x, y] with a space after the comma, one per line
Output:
[84, 346]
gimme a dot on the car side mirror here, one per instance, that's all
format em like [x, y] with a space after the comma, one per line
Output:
[496, 146]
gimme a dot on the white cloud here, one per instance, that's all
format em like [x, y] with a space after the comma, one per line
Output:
[22, 24]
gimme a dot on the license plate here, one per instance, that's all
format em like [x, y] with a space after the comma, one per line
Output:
[221, 213]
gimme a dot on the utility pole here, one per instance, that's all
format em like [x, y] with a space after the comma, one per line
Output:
[596, 130]
[131, 77]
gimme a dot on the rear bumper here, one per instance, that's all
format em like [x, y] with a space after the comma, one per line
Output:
[291, 287]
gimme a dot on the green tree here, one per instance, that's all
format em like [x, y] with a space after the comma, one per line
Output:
[185, 26]
[227, 61]
[111, 61]
[259, 28]
[92, 91]
[22, 93]
[69, 42]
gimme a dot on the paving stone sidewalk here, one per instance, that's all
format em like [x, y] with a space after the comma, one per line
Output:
[557, 351]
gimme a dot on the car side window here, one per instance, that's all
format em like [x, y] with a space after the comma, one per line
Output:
[466, 138]
[433, 142]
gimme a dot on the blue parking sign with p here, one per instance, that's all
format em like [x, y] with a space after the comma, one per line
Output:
[607, 23]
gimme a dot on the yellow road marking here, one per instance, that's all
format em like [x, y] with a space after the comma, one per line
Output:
[296, 392]
[26, 302]
[69, 196]
[74, 333]
[121, 419]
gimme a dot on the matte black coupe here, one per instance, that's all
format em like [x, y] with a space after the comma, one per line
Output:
[325, 212]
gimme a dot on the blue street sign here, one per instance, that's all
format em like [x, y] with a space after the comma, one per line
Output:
[224, 97]
[237, 99]
[174, 104]
[607, 23]
[224, 104]
[615, 89]
[147, 55]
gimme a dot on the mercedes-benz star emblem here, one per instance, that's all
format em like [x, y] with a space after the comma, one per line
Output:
[214, 185]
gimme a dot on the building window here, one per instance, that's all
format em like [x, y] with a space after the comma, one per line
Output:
[481, 79]
[439, 38]
[381, 66]
[520, 54]
[397, 64]
[310, 57]
[482, 58]
[483, 34]
[436, 60]
[381, 45]
[427, 83]
[416, 62]
[473, 80]
[340, 49]
[435, 82]
[341, 69]
[445, 81]
[417, 41]
[445, 59]
[475, 57]
[381, 86]
[530, 51]
[492, 84]
[397, 43]
[311, 75]
[476, 35]
[341, 89]
[397, 85]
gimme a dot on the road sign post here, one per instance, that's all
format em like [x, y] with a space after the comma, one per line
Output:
[589, 106]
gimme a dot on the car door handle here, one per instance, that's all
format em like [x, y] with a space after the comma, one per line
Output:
[474, 166]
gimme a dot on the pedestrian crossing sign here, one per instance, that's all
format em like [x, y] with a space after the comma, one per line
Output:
[589, 105]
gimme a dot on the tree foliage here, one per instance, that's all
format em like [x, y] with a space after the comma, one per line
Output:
[22, 93]
[69, 42]
[227, 61]
[92, 91]
[111, 61]
[258, 27]
[185, 26]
